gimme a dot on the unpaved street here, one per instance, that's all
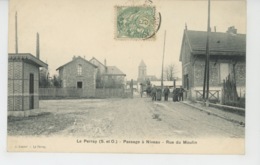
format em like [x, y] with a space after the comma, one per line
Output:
[123, 118]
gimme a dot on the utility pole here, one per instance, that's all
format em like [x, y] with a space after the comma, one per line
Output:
[38, 46]
[163, 59]
[206, 71]
[16, 34]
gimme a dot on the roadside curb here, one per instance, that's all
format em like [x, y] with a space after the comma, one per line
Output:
[242, 123]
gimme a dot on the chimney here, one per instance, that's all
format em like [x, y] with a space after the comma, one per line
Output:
[74, 57]
[186, 28]
[232, 30]
[38, 46]
[215, 29]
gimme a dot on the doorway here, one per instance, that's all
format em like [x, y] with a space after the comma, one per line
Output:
[31, 91]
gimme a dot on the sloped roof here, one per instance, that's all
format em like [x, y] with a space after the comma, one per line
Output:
[219, 43]
[93, 58]
[113, 70]
[74, 60]
[27, 56]
[142, 63]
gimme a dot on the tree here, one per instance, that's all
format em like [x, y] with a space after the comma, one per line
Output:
[170, 72]
[56, 81]
[44, 78]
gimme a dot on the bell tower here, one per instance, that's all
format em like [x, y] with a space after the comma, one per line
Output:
[141, 71]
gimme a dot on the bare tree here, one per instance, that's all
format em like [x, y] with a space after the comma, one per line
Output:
[170, 72]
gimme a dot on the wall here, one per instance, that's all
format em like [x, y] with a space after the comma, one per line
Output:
[56, 93]
[240, 69]
[186, 59]
[18, 85]
[70, 77]
[198, 71]
[31, 69]
[100, 66]
[15, 84]
[215, 81]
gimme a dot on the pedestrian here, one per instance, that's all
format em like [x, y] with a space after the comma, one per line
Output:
[181, 93]
[166, 93]
[154, 93]
[175, 95]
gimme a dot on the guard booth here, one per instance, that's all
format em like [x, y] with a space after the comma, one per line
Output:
[23, 84]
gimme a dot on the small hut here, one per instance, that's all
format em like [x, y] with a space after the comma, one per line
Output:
[23, 84]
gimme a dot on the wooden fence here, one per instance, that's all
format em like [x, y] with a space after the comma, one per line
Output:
[112, 93]
[213, 95]
[58, 93]
[52, 93]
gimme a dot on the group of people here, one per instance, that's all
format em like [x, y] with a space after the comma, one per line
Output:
[177, 94]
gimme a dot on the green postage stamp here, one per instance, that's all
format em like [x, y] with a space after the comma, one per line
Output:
[135, 22]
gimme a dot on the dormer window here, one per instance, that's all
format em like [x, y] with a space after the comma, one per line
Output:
[79, 70]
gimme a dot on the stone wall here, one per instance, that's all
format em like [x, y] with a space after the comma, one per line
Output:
[198, 70]
[70, 77]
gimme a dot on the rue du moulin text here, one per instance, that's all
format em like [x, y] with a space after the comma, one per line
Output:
[137, 141]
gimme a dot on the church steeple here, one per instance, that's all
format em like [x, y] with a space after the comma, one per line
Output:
[141, 71]
[142, 64]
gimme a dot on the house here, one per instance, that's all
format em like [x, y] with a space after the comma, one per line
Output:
[23, 84]
[227, 57]
[79, 74]
[108, 76]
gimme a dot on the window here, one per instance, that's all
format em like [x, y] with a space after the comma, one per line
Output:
[224, 71]
[79, 70]
[79, 84]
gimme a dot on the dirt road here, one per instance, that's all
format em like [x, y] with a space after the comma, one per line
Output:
[123, 118]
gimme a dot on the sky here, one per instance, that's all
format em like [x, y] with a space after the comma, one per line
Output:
[86, 28]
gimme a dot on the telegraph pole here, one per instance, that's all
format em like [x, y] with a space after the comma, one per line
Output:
[206, 71]
[163, 59]
[16, 34]
[207, 52]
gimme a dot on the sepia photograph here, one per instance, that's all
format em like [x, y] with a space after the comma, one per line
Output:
[127, 76]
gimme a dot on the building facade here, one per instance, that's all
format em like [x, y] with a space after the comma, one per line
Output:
[108, 76]
[227, 58]
[79, 74]
[23, 84]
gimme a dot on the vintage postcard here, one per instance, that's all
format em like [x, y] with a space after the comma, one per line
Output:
[127, 76]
